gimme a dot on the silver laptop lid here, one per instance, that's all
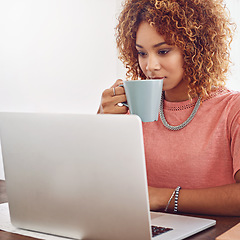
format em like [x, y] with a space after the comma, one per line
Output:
[80, 176]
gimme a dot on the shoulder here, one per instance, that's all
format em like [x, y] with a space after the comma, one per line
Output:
[224, 101]
[233, 94]
[225, 92]
[224, 96]
[232, 99]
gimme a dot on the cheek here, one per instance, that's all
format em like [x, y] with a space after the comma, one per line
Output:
[142, 65]
[180, 71]
[176, 62]
[176, 67]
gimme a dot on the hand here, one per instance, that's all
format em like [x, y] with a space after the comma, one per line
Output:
[158, 198]
[109, 101]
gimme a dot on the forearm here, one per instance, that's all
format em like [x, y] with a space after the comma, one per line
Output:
[223, 200]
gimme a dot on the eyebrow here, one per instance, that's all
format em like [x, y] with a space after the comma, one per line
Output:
[156, 45]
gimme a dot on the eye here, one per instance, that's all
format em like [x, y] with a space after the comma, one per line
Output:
[163, 51]
[141, 54]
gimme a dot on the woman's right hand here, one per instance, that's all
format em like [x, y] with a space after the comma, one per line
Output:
[109, 101]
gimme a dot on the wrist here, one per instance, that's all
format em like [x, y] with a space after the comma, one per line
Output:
[164, 197]
[172, 204]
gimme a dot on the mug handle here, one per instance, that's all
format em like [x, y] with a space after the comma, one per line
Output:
[123, 103]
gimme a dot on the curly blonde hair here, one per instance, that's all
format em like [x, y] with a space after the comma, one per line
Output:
[202, 29]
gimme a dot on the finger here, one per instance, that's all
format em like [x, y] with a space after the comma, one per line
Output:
[117, 83]
[114, 91]
[108, 102]
[118, 91]
[121, 110]
[108, 93]
[119, 98]
[110, 105]
[115, 109]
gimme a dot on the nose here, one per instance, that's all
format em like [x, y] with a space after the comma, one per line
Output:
[153, 64]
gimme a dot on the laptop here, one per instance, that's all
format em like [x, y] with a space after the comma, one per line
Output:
[83, 177]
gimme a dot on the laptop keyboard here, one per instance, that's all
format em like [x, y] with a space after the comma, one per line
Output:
[159, 230]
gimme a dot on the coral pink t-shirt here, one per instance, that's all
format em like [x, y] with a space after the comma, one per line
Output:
[205, 153]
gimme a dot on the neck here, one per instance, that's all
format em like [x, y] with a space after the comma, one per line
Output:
[170, 96]
[178, 93]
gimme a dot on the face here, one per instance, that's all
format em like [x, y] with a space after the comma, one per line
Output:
[161, 61]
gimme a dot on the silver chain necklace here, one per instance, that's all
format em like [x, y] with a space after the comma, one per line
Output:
[184, 124]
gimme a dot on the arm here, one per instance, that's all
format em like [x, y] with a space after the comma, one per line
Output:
[109, 101]
[222, 200]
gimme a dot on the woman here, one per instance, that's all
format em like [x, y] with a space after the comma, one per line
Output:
[191, 167]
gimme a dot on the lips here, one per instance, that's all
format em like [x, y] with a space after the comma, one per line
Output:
[161, 78]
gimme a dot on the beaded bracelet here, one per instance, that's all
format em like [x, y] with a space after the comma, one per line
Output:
[176, 193]
[176, 199]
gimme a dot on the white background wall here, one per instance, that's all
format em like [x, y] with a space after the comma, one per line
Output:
[59, 55]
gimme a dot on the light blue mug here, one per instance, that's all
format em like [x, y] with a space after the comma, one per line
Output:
[143, 98]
